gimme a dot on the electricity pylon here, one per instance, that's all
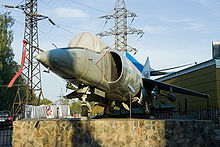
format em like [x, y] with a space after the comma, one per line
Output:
[31, 82]
[121, 29]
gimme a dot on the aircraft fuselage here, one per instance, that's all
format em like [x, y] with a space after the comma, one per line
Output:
[109, 71]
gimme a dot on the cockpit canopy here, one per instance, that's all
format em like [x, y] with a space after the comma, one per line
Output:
[88, 41]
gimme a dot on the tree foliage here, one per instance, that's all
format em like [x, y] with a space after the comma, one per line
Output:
[45, 102]
[66, 102]
[8, 66]
[75, 107]
[42, 102]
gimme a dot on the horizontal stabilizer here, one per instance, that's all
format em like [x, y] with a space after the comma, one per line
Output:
[150, 84]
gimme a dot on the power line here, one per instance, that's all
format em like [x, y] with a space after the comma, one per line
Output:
[77, 28]
[48, 31]
[20, 3]
[88, 6]
[57, 26]
[62, 27]
[46, 2]
[65, 29]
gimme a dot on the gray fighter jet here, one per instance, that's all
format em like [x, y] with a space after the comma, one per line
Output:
[105, 75]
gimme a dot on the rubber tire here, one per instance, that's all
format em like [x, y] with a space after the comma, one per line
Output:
[84, 111]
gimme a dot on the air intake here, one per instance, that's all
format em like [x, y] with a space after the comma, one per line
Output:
[216, 50]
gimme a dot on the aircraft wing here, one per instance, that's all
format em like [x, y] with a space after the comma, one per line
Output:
[158, 73]
[71, 95]
[148, 83]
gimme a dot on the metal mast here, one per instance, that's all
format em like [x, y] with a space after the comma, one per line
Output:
[31, 70]
[31, 83]
[121, 29]
[61, 100]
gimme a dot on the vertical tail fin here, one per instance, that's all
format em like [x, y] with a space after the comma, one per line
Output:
[146, 70]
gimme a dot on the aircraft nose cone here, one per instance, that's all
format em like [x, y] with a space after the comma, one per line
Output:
[42, 58]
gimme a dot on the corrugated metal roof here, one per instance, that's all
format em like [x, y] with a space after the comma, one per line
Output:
[191, 69]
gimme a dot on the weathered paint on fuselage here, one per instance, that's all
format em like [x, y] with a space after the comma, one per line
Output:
[81, 66]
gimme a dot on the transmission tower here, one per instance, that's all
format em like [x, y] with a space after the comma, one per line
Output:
[31, 83]
[121, 29]
[61, 100]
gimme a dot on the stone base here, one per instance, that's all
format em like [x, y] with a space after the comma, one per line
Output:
[112, 132]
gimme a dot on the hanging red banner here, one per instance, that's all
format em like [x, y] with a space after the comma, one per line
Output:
[22, 64]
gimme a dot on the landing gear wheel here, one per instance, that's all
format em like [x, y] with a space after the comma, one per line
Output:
[85, 108]
[108, 109]
[147, 108]
[84, 111]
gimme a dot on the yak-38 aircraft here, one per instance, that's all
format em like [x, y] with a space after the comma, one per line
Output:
[104, 75]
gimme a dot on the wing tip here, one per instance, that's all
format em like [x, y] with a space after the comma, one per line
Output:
[207, 96]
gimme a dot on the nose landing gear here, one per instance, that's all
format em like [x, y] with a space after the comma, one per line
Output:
[85, 108]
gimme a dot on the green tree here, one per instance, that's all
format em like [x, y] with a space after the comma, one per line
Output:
[8, 66]
[45, 102]
[75, 107]
[42, 102]
[66, 102]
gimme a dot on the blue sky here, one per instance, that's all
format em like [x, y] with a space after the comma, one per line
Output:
[177, 32]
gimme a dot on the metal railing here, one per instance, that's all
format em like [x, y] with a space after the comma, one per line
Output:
[6, 137]
[209, 110]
